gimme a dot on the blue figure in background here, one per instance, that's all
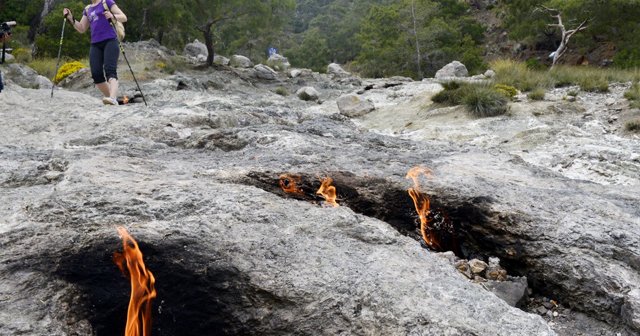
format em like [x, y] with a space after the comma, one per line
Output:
[272, 51]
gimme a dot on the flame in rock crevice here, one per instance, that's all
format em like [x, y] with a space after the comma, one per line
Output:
[142, 286]
[328, 192]
[421, 202]
[289, 183]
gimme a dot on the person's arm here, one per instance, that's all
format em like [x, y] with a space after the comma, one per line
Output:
[117, 14]
[81, 26]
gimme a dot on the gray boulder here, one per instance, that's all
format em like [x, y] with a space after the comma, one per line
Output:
[80, 79]
[43, 82]
[278, 62]
[264, 72]
[353, 106]
[220, 60]
[300, 73]
[631, 308]
[513, 291]
[336, 70]
[22, 75]
[239, 61]
[195, 49]
[452, 70]
[308, 93]
[8, 57]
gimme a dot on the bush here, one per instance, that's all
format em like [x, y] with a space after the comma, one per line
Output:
[484, 101]
[633, 93]
[594, 83]
[22, 55]
[44, 66]
[67, 69]
[633, 126]
[518, 75]
[537, 94]
[451, 95]
[508, 91]
[282, 91]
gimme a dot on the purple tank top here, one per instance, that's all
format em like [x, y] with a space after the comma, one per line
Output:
[100, 28]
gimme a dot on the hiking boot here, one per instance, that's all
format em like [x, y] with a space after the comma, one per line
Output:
[109, 101]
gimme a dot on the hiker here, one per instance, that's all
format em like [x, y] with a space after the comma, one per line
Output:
[104, 51]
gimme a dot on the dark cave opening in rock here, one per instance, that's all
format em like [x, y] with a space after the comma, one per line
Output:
[195, 296]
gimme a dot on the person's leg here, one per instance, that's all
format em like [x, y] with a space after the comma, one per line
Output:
[111, 55]
[96, 61]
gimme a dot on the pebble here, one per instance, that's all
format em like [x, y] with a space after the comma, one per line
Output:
[541, 310]
[555, 314]
[477, 266]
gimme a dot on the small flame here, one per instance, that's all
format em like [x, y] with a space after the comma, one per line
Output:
[289, 184]
[328, 192]
[142, 286]
[125, 100]
[421, 202]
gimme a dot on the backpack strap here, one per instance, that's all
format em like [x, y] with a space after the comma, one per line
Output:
[107, 9]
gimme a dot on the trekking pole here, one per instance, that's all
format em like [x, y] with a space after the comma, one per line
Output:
[132, 74]
[64, 22]
[113, 25]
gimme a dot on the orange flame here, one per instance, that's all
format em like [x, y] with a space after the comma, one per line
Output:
[328, 192]
[125, 100]
[421, 202]
[289, 184]
[142, 286]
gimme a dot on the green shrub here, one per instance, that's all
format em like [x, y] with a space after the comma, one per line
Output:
[452, 94]
[633, 93]
[282, 91]
[44, 66]
[67, 69]
[518, 75]
[534, 64]
[484, 101]
[22, 55]
[593, 83]
[537, 94]
[508, 91]
[633, 126]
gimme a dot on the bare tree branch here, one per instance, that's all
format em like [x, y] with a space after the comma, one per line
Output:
[566, 34]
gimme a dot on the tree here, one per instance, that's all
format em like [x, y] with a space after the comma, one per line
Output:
[75, 45]
[566, 34]
[245, 15]
[312, 53]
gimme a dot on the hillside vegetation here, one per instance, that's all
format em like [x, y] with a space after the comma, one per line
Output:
[374, 37]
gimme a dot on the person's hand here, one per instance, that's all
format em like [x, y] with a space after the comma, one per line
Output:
[66, 11]
[108, 15]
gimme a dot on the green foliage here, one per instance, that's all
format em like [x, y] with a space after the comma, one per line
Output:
[417, 38]
[518, 75]
[537, 94]
[480, 100]
[627, 58]
[534, 64]
[483, 101]
[282, 91]
[22, 55]
[67, 69]
[593, 83]
[506, 90]
[633, 93]
[633, 126]
[75, 45]
[312, 53]
[44, 66]
[452, 94]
